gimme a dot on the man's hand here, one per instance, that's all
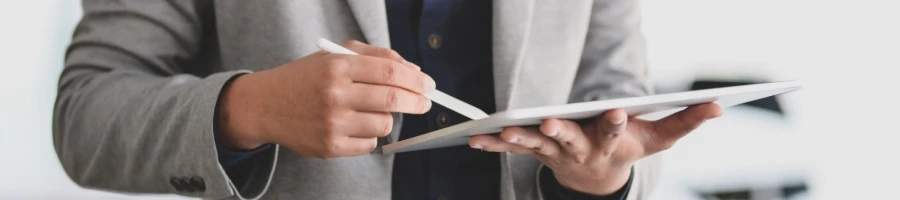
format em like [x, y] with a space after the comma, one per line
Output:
[596, 158]
[323, 105]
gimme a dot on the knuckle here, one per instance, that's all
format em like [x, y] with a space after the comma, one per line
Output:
[333, 146]
[395, 55]
[420, 78]
[580, 159]
[613, 135]
[335, 67]
[390, 73]
[327, 150]
[392, 98]
[540, 149]
[606, 152]
[388, 53]
[331, 124]
[332, 95]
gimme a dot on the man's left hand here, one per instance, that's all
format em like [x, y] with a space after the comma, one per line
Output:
[596, 158]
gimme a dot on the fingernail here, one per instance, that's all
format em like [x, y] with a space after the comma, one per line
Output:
[553, 134]
[619, 120]
[429, 84]
[413, 65]
[513, 140]
[477, 146]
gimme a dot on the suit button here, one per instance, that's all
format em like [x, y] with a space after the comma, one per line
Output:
[442, 198]
[434, 41]
[198, 184]
[443, 120]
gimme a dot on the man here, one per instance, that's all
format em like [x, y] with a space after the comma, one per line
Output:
[232, 99]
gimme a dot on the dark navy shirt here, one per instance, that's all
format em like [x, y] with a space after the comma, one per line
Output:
[451, 41]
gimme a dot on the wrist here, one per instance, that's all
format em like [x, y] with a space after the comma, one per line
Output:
[595, 184]
[233, 119]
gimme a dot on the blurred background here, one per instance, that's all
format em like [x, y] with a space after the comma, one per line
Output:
[833, 139]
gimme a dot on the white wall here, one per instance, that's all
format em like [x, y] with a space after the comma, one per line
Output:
[33, 39]
[840, 129]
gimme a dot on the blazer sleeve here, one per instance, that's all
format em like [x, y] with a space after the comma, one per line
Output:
[135, 109]
[613, 65]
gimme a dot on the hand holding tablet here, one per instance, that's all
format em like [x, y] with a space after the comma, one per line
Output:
[590, 146]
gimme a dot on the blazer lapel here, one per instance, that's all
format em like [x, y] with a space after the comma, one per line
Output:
[511, 19]
[371, 17]
[512, 23]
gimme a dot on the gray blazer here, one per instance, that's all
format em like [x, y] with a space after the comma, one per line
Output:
[136, 100]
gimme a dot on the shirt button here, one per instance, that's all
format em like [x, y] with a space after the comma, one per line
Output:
[443, 120]
[434, 41]
[442, 198]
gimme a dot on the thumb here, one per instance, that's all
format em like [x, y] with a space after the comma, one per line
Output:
[668, 130]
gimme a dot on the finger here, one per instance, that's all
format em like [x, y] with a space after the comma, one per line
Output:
[610, 127]
[367, 124]
[494, 144]
[353, 146]
[671, 128]
[369, 50]
[379, 98]
[381, 71]
[531, 138]
[568, 134]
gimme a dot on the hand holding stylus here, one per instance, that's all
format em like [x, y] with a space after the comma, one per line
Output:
[325, 104]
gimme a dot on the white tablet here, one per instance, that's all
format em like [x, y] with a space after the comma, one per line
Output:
[635, 106]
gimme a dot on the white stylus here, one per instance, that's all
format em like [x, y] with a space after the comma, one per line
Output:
[436, 96]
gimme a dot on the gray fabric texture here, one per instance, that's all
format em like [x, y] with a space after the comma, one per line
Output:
[137, 97]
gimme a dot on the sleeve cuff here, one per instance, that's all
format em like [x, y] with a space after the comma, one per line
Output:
[553, 190]
[228, 158]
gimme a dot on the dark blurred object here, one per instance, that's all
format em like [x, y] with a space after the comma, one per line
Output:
[789, 191]
[793, 190]
[768, 103]
[730, 195]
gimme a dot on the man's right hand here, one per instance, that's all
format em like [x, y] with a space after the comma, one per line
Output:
[323, 105]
